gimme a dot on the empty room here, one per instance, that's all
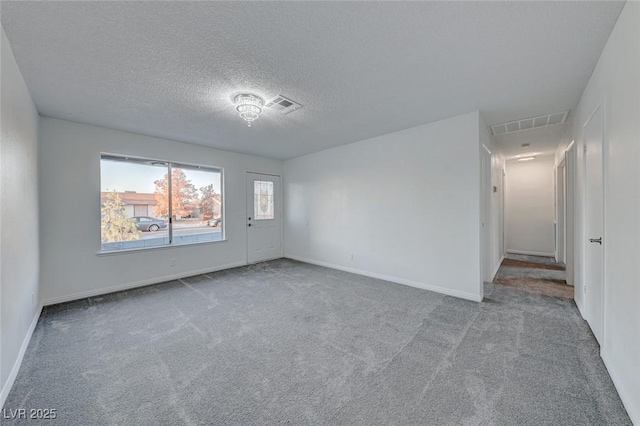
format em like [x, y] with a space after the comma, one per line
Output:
[318, 213]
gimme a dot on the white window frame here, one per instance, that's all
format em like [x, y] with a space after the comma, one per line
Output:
[170, 165]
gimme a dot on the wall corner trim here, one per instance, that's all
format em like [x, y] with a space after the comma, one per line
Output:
[16, 365]
[496, 268]
[397, 280]
[580, 308]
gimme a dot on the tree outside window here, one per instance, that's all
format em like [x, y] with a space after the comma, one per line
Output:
[115, 224]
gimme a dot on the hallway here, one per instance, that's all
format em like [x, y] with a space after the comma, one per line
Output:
[534, 274]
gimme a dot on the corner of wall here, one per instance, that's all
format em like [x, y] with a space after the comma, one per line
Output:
[8, 384]
[20, 285]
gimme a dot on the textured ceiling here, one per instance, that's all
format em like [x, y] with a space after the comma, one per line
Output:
[360, 69]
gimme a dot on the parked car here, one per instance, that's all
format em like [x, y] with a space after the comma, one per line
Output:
[214, 222]
[146, 223]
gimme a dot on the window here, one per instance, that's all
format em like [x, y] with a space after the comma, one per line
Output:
[135, 208]
[262, 200]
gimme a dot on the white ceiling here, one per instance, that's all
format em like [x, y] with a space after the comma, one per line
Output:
[360, 69]
[542, 141]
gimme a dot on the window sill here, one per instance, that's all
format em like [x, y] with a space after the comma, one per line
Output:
[164, 247]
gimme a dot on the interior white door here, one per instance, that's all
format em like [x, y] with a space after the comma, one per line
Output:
[570, 162]
[485, 219]
[563, 216]
[594, 253]
[264, 225]
[503, 206]
[560, 213]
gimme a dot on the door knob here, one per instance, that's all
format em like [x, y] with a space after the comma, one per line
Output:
[596, 240]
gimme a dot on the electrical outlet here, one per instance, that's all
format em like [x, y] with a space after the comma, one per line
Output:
[33, 299]
[351, 257]
[173, 262]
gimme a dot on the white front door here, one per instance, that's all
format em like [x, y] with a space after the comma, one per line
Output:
[264, 235]
[594, 254]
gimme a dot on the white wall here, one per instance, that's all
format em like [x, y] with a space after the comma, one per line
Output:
[615, 86]
[70, 211]
[494, 201]
[530, 206]
[406, 205]
[19, 307]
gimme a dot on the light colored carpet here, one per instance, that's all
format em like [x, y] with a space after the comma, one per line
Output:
[285, 342]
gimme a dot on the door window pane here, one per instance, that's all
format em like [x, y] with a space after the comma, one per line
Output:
[263, 200]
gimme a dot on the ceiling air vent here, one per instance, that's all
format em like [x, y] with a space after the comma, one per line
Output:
[530, 123]
[282, 104]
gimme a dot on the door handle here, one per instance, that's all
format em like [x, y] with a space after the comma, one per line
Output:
[596, 240]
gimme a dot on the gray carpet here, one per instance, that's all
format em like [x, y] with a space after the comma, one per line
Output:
[285, 342]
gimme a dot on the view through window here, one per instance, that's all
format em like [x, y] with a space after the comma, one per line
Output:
[135, 208]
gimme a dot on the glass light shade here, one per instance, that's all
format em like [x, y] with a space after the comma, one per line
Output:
[249, 107]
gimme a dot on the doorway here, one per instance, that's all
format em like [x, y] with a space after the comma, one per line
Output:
[264, 224]
[594, 224]
[536, 195]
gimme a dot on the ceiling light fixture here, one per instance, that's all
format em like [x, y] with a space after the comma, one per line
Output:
[526, 158]
[249, 107]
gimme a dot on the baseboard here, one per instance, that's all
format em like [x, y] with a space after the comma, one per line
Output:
[632, 411]
[532, 253]
[495, 270]
[410, 283]
[128, 286]
[16, 365]
[580, 308]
